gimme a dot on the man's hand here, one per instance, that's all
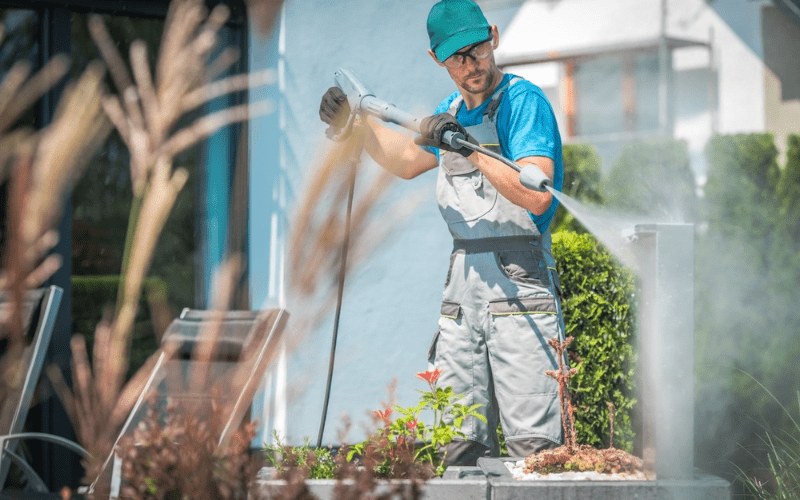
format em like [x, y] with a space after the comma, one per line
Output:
[433, 127]
[334, 108]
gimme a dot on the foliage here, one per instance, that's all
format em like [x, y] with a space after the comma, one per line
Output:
[176, 455]
[740, 194]
[788, 190]
[747, 275]
[91, 293]
[312, 463]
[403, 434]
[581, 181]
[652, 178]
[597, 300]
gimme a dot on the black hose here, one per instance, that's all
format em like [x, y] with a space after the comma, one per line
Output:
[342, 269]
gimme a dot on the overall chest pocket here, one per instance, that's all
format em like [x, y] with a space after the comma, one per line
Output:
[465, 197]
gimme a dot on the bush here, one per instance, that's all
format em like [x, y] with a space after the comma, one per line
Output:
[598, 311]
[747, 318]
[653, 178]
[92, 295]
[740, 193]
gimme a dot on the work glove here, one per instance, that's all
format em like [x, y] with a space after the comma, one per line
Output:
[334, 108]
[433, 127]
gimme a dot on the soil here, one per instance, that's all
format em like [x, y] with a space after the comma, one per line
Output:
[584, 458]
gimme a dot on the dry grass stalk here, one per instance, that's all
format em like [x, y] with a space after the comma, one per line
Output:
[264, 13]
[44, 166]
[146, 112]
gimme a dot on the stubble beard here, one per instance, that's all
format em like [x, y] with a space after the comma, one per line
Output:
[478, 82]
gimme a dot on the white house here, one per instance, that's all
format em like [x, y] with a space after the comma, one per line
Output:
[631, 69]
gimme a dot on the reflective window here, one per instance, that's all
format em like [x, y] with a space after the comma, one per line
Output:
[645, 69]
[102, 203]
[598, 96]
[616, 94]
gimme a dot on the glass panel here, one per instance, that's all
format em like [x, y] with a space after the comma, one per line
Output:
[598, 96]
[101, 205]
[646, 78]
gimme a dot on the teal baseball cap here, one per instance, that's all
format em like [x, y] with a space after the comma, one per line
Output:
[455, 24]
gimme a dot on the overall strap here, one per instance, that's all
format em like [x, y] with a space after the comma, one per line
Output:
[491, 109]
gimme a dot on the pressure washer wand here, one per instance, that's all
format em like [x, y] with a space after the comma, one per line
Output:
[361, 99]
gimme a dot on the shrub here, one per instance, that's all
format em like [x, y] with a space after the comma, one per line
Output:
[740, 193]
[747, 271]
[597, 299]
[653, 178]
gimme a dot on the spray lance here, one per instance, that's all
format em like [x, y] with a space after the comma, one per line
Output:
[362, 100]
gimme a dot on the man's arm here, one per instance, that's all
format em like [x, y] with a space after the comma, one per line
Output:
[506, 180]
[396, 152]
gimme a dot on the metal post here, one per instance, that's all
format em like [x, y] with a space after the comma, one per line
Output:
[665, 255]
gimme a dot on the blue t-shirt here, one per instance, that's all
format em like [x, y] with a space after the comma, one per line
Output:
[526, 126]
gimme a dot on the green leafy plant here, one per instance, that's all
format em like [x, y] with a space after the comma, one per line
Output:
[313, 463]
[408, 433]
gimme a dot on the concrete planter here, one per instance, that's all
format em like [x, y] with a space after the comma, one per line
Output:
[491, 480]
[503, 486]
[458, 483]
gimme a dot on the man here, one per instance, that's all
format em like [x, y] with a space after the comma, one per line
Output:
[501, 296]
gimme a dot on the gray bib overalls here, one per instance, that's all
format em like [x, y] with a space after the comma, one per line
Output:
[500, 305]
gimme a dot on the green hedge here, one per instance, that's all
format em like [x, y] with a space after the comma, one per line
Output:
[92, 295]
[599, 313]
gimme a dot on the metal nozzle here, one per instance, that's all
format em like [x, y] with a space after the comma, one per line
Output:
[533, 178]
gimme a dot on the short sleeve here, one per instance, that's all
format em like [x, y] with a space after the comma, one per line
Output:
[526, 124]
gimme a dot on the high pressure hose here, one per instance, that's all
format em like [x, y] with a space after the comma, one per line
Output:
[340, 294]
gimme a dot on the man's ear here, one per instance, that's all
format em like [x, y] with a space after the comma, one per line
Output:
[495, 37]
[433, 56]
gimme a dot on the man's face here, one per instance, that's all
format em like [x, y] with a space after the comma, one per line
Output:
[475, 75]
